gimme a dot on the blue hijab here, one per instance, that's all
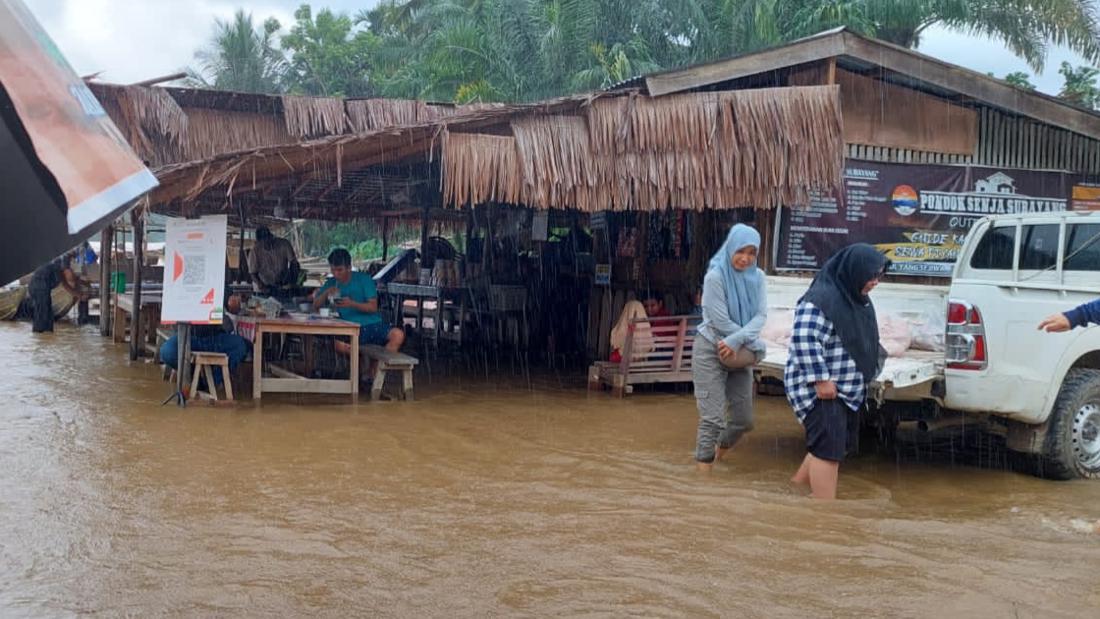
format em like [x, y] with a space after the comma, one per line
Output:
[742, 287]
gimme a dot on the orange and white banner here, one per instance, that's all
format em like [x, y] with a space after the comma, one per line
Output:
[194, 270]
[72, 136]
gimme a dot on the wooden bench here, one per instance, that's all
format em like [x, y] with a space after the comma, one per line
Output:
[205, 362]
[390, 362]
[668, 359]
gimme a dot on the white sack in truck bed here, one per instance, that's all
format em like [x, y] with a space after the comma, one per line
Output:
[895, 332]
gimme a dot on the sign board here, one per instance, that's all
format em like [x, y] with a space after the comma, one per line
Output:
[65, 168]
[918, 215]
[72, 135]
[1086, 197]
[603, 274]
[194, 270]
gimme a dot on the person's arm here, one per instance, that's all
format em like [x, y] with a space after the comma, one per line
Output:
[69, 283]
[254, 268]
[322, 294]
[1083, 315]
[751, 331]
[370, 305]
[714, 306]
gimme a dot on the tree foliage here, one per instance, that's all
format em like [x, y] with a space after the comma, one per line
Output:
[1020, 79]
[328, 55]
[524, 50]
[1080, 85]
[241, 57]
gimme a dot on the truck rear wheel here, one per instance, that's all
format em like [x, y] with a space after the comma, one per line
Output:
[1073, 438]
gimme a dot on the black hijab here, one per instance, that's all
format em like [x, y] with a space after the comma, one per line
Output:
[838, 292]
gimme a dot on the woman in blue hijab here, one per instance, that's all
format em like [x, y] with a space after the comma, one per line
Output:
[727, 345]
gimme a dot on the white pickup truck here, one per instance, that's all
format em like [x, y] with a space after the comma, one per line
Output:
[1040, 391]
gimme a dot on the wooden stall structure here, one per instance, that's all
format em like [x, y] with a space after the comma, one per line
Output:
[508, 171]
[903, 108]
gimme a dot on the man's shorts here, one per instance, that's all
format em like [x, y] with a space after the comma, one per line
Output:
[376, 333]
[832, 430]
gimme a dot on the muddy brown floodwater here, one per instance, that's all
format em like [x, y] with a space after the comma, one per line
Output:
[488, 497]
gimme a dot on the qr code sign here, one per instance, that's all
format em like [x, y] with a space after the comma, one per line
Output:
[194, 271]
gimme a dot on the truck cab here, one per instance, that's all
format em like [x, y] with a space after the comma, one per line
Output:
[1013, 272]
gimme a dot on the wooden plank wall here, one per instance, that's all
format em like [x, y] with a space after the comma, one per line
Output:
[888, 115]
[1005, 141]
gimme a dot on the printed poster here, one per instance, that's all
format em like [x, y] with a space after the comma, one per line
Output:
[194, 270]
[92, 164]
[918, 215]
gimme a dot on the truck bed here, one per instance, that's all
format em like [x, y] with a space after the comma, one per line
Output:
[906, 377]
[914, 369]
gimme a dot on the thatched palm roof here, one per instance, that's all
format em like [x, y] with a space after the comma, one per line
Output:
[611, 151]
[175, 125]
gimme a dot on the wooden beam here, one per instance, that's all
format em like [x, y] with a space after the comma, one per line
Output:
[973, 84]
[830, 71]
[160, 80]
[106, 251]
[799, 52]
[977, 86]
[327, 190]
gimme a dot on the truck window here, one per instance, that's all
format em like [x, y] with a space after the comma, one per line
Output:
[1039, 247]
[1082, 247]
[995, 250]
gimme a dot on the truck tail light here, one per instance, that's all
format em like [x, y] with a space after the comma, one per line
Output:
[965, 339]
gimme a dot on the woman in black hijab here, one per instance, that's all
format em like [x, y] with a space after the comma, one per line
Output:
[834, 354]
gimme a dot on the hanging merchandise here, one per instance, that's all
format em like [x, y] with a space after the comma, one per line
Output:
[628, 243]
[678, 235]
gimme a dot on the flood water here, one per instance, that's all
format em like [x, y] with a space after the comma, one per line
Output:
[487, 497]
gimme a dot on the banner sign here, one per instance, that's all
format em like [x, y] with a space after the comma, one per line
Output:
[918, 215]
[194, 270]
[1086, 197]
[91, 162]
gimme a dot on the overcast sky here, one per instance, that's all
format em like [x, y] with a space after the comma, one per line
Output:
[132, 40]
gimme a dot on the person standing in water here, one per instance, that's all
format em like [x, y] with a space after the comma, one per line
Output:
[834, 355]
[45, 279]
[727, 344]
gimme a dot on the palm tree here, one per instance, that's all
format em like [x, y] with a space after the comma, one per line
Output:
[1026, 27]
[241, 58]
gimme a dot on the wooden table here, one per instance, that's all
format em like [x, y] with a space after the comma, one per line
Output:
[143, 328]
[285, 381]
[440, 296]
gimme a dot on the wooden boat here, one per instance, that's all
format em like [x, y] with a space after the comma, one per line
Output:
[62, 301]
[10, 300]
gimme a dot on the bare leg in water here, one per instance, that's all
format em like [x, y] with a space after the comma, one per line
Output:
[819, 475]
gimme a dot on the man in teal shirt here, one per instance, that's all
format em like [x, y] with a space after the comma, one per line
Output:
[356, 299]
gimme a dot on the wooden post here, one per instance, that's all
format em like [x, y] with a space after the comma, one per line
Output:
[243, 274]
[425, 233]
[106, 264]
[183, 359]
[139, 258]
[385, 239]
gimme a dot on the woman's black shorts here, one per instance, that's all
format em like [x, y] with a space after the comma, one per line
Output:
[832, 430]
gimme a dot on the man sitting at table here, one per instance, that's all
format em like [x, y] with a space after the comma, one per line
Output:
[356, 299]
[212, 338]
[273, 264]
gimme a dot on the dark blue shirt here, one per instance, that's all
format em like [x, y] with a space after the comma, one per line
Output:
[1082, 315]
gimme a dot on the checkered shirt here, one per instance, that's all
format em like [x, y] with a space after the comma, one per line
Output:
[816, 353]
